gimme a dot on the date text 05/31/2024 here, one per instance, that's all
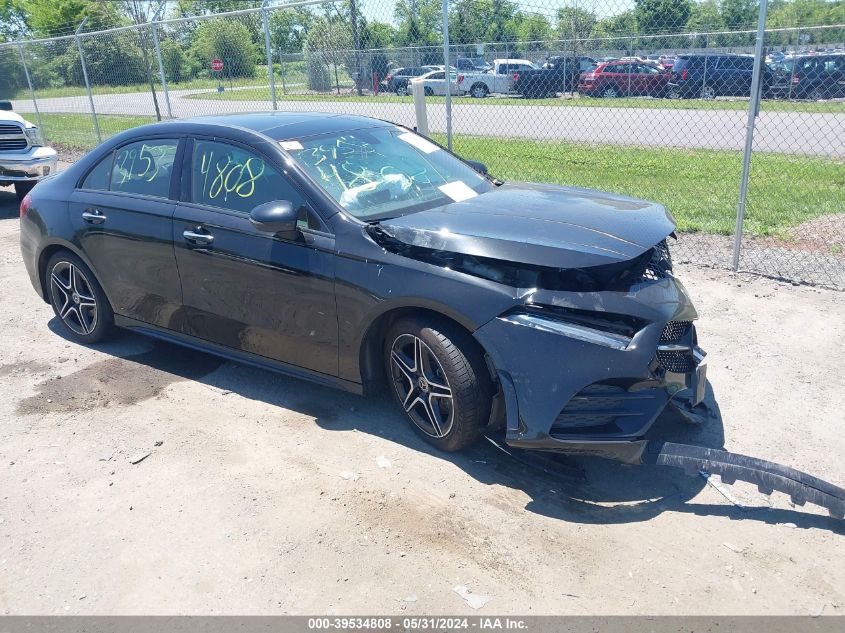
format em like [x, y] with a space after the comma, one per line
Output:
[420, 623]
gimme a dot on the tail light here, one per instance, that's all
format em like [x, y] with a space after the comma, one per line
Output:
[516, 76]
[389, 78]
[684, 74]
[25, 203]
[460, 79]
[796, 79]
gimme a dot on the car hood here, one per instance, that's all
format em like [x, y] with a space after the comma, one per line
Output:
[7, 116]
[543, 225]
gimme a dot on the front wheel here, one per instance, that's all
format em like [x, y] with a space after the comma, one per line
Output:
[428, 92]
[78, 299]
[439, 378]
[402, 90]
[610, 92]
[23, 188]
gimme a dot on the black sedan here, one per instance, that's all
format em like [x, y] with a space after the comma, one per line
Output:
[355, 253]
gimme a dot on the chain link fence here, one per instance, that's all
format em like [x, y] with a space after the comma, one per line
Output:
[742, 137]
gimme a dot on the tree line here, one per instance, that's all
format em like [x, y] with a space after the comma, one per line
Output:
[339, 35]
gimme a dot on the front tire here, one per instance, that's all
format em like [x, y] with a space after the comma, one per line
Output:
[78, 299]
[23, 188]
[438, 376]
[402, 90]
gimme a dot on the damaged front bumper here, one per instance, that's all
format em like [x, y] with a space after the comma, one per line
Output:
[587, 385]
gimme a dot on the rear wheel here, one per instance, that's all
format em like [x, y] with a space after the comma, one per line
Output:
[23, 188]
[610, 92]
[816, 94]
[479, 91]
[708, 93]
[439, 378]
[78, 299]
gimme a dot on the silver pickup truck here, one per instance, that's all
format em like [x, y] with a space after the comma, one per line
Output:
[24, 159]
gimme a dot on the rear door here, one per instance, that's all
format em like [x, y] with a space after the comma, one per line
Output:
[122, 214]
[247, 289]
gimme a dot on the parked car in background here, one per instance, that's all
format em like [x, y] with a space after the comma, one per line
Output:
[667, 61]
[708, 76]
[559, 74]
[811, 77]
[434, 83]
[624, 78]
[499, 80]
[398, 78]
[24, 158]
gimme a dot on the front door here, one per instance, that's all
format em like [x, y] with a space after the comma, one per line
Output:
[244, 288]
[122, 215]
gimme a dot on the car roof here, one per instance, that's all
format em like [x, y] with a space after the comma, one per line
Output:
[279, 126]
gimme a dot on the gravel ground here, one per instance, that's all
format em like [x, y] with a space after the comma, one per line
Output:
[261, 494]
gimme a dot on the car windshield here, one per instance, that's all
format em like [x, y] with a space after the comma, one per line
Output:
[379, 173]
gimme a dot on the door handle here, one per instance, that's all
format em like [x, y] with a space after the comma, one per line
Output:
[198, 238]
[93, 216]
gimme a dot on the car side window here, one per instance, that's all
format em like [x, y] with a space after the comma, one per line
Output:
[144, 167]
[98, 178]
[438, 76]
[229, 177]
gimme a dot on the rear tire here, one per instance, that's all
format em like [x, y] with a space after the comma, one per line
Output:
[23, 188]
[479, 91]
[438, 376]
[78, 299]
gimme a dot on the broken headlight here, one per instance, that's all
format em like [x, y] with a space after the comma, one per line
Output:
[600, 328]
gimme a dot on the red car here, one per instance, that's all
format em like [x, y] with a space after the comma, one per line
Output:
[624, 78]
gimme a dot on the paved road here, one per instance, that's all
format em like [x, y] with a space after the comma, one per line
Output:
[785, 132]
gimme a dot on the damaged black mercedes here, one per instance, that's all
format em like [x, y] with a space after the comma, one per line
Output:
[356, 253]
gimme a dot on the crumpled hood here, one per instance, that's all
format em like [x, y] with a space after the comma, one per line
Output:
[543, 225]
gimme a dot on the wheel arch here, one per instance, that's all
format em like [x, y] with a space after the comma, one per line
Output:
[56, 247]
[370, 349]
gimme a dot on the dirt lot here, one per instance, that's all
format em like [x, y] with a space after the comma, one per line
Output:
[270, 495]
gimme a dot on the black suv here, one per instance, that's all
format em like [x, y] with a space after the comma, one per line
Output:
[711, 76]
[811, 77]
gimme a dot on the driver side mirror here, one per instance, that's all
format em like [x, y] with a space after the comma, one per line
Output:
[479, 167]
[277, 217]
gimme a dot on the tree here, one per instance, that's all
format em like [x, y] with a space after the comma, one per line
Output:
[533, 32]
[329, 43]
[289, 28]
[705, 19]
[420, 22]
[662, 18]
[49, 18]
[14, 20]
[617, 33]
[228, 40]
[739, 15]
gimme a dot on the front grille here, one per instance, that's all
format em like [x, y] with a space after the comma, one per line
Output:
[674, 330]
[12, 143]
[660, 264]
[680, 362]
[603, 409]
[8, 128]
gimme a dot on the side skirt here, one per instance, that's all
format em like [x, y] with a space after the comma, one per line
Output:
[237, 356]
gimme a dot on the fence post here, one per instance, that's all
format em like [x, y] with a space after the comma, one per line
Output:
[753, 111]
[265, 23]
[157, 45]
[31, 90]
[85, 76]
[448, 74]
[282, 72]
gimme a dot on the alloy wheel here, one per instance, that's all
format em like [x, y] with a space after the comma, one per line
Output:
[422, 386]
[609, 93]
[73, 297]
[479, 92]
[402, 91]
[708, 92]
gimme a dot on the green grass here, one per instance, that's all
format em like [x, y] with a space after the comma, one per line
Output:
[699, 187]
[263, 94]
[76, 131]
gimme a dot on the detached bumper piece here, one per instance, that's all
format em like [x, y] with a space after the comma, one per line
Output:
[767, 476]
